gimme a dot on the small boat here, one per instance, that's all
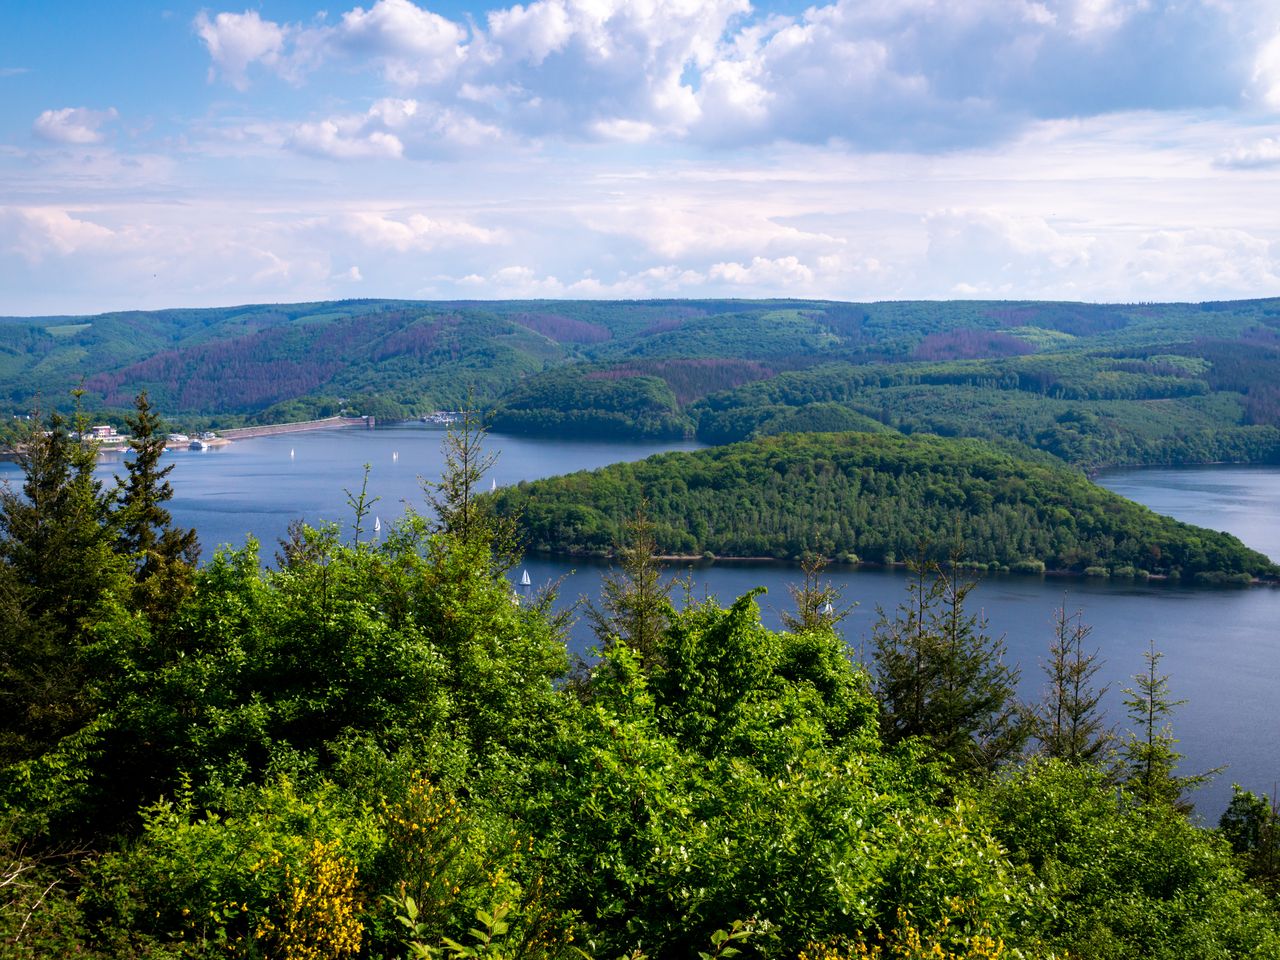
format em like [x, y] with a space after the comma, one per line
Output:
[377, 526]
[493, 485]
[198, 445]
[291, 453]
[524, 579]
[395, 455]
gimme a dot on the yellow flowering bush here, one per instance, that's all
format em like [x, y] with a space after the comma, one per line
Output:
[319, 916]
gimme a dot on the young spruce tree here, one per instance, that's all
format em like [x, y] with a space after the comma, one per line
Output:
[163, 556]
[1069, 722]
[1149, 755]
[818, 601]
[942, 678]
[635, 603]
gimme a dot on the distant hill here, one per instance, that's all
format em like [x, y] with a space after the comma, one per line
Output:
[1091, 384]
[873, 497]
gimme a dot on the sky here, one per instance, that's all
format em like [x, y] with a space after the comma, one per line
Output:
[157, 155]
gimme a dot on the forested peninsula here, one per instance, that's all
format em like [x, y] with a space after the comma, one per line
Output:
[874, 498]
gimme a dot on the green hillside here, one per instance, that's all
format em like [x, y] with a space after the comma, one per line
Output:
[1090, 384]
[873, 497]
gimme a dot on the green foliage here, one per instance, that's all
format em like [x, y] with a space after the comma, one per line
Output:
[56, 566]
[1123, 883]
[164, 556]
[941, 678]
[873, 496]
[635, 603]
[592, 404]
[366, 750]
[1251, 824]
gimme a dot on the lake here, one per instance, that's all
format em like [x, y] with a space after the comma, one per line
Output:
[1221, 645]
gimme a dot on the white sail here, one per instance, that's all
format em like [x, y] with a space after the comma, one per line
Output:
[377, 524]
[291, 453]
[524, 579]
[493, 484]
[395, 455]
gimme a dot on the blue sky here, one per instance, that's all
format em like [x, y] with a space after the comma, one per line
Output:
[187, 155]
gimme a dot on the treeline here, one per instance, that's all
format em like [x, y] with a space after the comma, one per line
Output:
[373, 750]
[571, 404]
[873, 497]
[1090, 412]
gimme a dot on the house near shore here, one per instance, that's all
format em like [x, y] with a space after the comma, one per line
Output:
[107, 434]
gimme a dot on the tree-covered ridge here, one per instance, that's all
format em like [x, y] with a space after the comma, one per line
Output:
[642, 398]
[1205, 402]
[1092, 384]
[569, 403]
[873, 497]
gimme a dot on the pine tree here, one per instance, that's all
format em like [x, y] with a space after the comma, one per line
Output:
[163, 556]
[56, 565]
[1150, 754]
[817, 601]
[635, 603]
[941, 677]
[460, 510]
[1069, 724]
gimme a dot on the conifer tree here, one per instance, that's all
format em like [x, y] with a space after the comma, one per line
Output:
[635, 603]
[1150, 754]
[163, 556]
[457, 497]
[941, 677]
[1069, 723]
[57, 564]
[817, 601]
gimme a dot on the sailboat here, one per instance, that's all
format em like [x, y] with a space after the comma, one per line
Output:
[377, 526]
[291, 453]
[524, 579]
[395, 455]
[493, 484]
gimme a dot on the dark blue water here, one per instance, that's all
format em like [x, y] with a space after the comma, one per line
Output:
[1221, 646]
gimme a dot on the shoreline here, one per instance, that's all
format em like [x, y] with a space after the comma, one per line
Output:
[702, 560]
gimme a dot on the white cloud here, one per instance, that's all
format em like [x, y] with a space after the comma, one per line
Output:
[37, 232]
[1201, 263]
[416, 232]
[328, 138]
[1093, 17]
[237, 40]
[992, 253]
[78, 125]
[1256, 155]
[534, 32]
[1266, 72]
[413, 45]
[914, 74]
[674, 226]
[779, 274]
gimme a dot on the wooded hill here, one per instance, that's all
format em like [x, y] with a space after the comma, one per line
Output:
[873, 497]
[1092, 384]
